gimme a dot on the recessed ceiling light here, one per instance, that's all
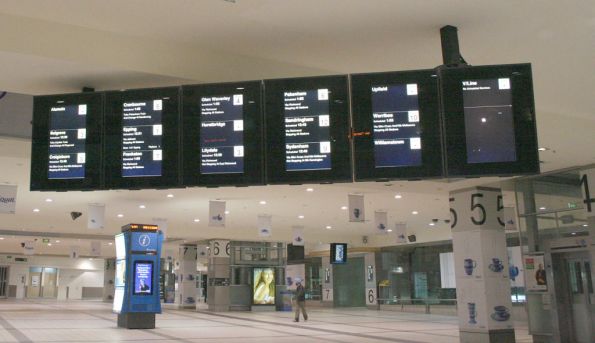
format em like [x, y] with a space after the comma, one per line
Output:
[414, 212]
[343, 208]
[170, 195]
[262, 202]
[543, 149]
[432, 224]
[110, 243]
[196, 220]
[574, 233]
[398, 196]
[58, 241]
[542, 208]
[49, 244]
[301, 216]
[49, 200]
[483, 120]
[309, 189]
[328, 227]
[142, 206]
[389, 230]
[120, 215]
[226, 212]
[1, 238]
[585, 225]
[35, 210]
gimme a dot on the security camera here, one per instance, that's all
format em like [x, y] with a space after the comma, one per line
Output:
[75, 215]
[435, 220]
[22, 244]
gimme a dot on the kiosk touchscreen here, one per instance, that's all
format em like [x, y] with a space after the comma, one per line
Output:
[136, 297]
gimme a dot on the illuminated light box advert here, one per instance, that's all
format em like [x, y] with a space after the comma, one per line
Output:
[223, 134]
[396, 120]
[307, 130]
[263, 286]
[338, 253]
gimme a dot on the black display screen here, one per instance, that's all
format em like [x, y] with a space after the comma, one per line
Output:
[396, 124]
[142, 138]
[66, 149]
[338, 253]
[489, 125]
[307, 129]
[222, 134]
[489, 120]
[142, 131]
[67, 137]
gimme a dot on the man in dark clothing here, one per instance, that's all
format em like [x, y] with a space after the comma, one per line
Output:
[300, 301]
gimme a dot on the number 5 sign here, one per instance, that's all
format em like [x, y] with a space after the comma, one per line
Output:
[476, 207]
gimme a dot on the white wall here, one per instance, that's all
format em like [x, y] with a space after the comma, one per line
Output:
[72, 273]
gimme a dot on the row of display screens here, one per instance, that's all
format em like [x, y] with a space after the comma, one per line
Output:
[466, 121]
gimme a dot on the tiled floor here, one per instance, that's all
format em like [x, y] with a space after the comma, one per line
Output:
[89, 321]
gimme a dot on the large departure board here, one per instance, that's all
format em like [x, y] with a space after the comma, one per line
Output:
[307, 130]
[396, 124]
[489, 118]
[307, 121]
[66, 151]
[223, 134]
[142, 138]
[142, 130]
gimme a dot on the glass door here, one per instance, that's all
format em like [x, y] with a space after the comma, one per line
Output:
[581, 289]
[3, 281]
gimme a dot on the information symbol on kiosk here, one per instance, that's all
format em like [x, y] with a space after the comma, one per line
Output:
[144, 240]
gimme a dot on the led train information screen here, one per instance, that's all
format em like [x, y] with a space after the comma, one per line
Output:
[396, 126]
[67, 136]
[66, 150]
[307, 130]
[489, 125]
[141, 138]
[142, 147]
[143, 278]
[222, 134]
[489, 120]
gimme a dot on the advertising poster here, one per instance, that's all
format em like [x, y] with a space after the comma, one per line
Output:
[293, 274]
[143, 272]
[264, 286]
[120, 273]
[535, 276]
[8, 196]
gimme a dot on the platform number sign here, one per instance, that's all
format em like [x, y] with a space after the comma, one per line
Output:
[221, 248]
[476, 207]
[371, 296]
[327, 294]
[588, 200]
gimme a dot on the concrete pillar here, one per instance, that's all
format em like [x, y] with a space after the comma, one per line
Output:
[109, 278]
[481, 266]
[327, 282]
[187, 291]
[370, 279]
[219, 275]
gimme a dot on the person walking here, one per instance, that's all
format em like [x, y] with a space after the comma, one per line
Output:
[300, 301]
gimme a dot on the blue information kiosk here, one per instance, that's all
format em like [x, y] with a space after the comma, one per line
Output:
[136, 297]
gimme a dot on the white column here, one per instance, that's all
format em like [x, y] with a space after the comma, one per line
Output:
[187, 291]
[481, 266]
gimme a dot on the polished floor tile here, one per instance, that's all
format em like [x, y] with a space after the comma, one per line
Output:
[52, 321]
